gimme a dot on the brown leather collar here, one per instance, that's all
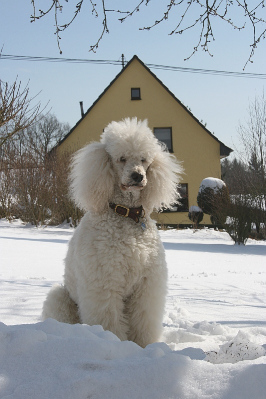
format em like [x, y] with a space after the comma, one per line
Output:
[132, 213]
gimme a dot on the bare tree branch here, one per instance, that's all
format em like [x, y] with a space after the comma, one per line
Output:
[189, 15]
[105, 27]
[16, 109]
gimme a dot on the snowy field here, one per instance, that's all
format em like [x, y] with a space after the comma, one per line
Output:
[214, 337]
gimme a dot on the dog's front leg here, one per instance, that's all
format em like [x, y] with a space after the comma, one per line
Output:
[146, 308]
[106, 308]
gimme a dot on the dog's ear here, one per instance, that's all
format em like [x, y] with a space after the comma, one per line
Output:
[92, 178]
[163, 177]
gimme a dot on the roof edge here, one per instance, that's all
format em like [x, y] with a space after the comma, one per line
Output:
[224, 150]
[98, 99]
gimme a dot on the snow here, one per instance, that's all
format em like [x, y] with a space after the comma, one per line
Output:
[214, 337]
[211, 182]
[194, 208]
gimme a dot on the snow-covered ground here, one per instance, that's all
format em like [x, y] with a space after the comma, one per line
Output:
[214, 339]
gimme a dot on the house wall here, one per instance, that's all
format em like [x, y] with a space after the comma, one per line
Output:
[198, 150]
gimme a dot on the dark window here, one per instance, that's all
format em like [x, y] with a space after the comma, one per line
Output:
[182, 205]
[183, 201]
[135, 93]
[164, 134]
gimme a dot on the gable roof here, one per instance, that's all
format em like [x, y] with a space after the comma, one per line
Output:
[224, 150]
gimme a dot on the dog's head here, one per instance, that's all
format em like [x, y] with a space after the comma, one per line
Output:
[128, 159]
[131, 146]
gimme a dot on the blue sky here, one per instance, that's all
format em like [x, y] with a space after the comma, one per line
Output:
[221, 102]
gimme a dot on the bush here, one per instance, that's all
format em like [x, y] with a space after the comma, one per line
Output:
[33, 180]
[239, 223]
[37, 192]
[242, 215]
[61, 206]
[195, 214]
[213, 199]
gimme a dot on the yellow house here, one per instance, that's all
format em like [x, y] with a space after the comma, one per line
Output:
[136, 91]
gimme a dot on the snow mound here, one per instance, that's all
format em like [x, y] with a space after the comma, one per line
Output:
[179, 329]
[211, 182]
[194, 208]
[238, 349]
[55, 360]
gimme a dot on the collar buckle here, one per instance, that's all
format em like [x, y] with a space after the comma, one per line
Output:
[133, 213]
[123, 207]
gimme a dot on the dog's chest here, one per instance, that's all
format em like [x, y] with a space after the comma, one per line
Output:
[128, 251]
[135, 258]
[118, 252]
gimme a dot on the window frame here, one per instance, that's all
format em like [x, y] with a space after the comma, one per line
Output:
[184, 207]
[171, 150]
[134, 98]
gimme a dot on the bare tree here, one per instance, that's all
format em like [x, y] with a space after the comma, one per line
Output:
[17, 111]
[33, 181]
[253, 138]
[44, 134]
[195, 15]
[246, 177]
[236, 176]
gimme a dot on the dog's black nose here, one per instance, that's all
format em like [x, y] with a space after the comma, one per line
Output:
[137, 177]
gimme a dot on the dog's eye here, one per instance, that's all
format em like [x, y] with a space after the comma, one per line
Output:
[122, 159]
[143, 160]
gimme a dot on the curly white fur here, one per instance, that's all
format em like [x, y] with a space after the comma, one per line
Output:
[115, 273]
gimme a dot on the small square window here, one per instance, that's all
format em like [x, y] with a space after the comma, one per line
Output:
[164, 134]
[135, 93]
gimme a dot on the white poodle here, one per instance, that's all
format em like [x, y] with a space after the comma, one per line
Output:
[115, 269]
